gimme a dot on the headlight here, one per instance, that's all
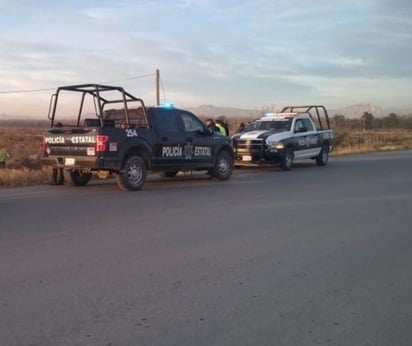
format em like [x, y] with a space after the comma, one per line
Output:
[275, 145]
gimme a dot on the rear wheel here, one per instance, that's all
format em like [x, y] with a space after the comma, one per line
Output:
[323, 157]
[286, 161]
[223, 166]
[133, 175]
[78, 178]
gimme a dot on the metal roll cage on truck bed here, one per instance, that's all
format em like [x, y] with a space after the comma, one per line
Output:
[114, 134]
[296, 132]
[96, 92]
[308, 109]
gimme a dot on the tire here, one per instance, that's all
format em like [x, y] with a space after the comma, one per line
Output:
[323, 157]
[286, 161]
[57, 176]
[169, 174]
[223, 166]
[77, 178]
[133, 175]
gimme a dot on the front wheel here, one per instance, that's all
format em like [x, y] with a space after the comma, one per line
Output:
[286, 160]
[223, 166]
[133, 175]
[78, 178]
[323, 157]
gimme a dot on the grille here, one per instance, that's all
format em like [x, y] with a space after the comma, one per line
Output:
[254, 147]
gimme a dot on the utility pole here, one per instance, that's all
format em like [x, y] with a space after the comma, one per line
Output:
[157, 87]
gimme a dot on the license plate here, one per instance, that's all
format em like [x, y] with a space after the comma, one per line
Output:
[69, 161]
[91, 151]
[246, 158]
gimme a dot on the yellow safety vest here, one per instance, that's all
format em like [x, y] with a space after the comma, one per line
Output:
[221, 129]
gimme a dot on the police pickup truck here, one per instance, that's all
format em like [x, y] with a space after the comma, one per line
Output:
[297, 132]
[113, 134]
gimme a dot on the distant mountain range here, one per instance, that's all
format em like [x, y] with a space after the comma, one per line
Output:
[210, 111]
[353, 111]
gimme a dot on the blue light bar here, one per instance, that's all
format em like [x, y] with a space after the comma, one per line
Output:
[167, 105]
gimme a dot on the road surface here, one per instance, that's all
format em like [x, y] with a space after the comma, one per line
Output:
[314, 256]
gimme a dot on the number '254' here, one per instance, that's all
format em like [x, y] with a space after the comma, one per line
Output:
[131, 133]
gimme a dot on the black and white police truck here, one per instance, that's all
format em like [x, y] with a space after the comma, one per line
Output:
[297, 132]
[113, 134]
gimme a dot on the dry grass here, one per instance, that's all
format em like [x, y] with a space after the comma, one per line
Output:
[24, 177]
[22, 139]
[366, 141]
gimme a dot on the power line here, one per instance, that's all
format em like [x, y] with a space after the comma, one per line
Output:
[25, 91]
[49, 89]
[131, 78]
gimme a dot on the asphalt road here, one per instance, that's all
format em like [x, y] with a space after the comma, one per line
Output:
[315, 256]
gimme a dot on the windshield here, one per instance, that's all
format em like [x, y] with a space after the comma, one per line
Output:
[269, 125]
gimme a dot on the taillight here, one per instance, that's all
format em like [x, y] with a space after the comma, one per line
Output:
[101, 142]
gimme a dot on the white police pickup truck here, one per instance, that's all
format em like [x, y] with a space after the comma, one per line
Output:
[297, 132]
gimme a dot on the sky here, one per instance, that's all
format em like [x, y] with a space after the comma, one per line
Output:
[259, 54]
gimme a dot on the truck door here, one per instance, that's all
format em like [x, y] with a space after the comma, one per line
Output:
[306, 139]
[198, 146]
[169, 147]
[312, 137]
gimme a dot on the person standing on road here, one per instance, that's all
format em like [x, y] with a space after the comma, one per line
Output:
[241, 127]
[220, 128]
[211, 125]
[222, 121]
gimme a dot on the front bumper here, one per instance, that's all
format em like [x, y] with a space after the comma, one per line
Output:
[256, 153]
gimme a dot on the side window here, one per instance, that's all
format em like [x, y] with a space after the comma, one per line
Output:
[191, 123]
[165, 121]
[308, 124]
[299, 125]
[137, 118]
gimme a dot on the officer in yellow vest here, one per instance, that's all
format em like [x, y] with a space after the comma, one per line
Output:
[222, 121]
[220, 128]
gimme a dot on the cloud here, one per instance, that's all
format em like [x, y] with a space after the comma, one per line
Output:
[231, 52]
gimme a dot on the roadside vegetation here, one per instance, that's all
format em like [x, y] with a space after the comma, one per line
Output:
[367, 133]
[21, 139]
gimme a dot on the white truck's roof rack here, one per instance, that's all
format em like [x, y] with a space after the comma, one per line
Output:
[315, 112]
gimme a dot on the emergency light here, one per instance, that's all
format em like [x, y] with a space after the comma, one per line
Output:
[167, 105]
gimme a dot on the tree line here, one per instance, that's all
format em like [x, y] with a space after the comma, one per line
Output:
[369, 122]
